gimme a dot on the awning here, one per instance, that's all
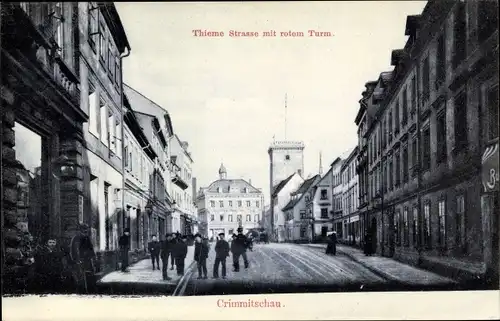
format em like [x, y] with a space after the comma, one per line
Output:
[490, 170]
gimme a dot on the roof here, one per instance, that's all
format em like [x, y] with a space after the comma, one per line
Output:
[144, 104]
[114, 22]
[301, 190]
[231, 184]
[280, 185]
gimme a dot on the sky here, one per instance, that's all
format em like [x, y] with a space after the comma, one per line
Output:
[226, 95]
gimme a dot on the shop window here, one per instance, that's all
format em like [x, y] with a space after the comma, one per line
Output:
[427, 226]
[442, 223]
[31, 179]
[460, 213]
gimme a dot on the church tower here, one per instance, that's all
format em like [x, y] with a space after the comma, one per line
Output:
[222, 172]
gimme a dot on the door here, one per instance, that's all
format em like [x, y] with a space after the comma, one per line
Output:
[393, 218]
[374, 234]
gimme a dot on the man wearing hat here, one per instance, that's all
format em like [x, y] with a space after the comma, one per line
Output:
[239, 247]
[200, 255]
[166, 251]
[124, 244]
[221, 253]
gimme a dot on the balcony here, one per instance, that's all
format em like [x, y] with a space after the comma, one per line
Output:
[177, 180]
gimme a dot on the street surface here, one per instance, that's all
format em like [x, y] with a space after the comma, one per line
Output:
[278, 268]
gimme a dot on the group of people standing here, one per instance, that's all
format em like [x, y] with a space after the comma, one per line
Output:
[175, 247]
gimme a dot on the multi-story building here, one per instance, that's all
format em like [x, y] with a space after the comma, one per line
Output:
[101, 46]
[280, 196]
[299, 219]
[319, 207]
[61, 66]
[351, 228]
[229, 204]
[431, 123]
[184, 215]
[336, 187]
[285, 159]
[139, 163]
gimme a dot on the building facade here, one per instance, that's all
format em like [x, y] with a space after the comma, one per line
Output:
[432, 118]
[184, 215]
[280, 196]
[229, 204]
[349, 220]
[320, 207]
[53, 56]
[285, 159]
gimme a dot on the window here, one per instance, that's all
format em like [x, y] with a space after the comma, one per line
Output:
[459, 35]
[104, 123]
[414, 150]
[118, 134]
[249, 218]
[460, 240]
[413, 96]
[257, 204]
[324, 194]
[415, 227]
[405, 107]
[389, 120]
[102, 44]
[221, 203]
[426, 149]
[92, 24]
[126, 148]
[108, 227]
[111, 135]
[93, 111]
[396, 118]
[239, 203]
[405, 165]
[230, 218]
[460, 118]
[256, 219]
[59, 36]
[248, 204]
[287, 157]
[111, 60]
[442, 223]
[406, 227]
[441, 137]
[221, 218]
[397, 227]
[324, 213]
[492, 118]
[391, 175]
[212, 203]
[212, 217]
[440, 61]
[427, 225]
[230, 203]
[238, 218]
[398, 169]
[384, 138]
[425, 80]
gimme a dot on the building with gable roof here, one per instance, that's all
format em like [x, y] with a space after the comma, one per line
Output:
[229, 203]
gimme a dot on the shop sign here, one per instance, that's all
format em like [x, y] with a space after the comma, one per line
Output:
[490, 168]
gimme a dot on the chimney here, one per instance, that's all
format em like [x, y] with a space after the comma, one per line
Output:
[250, 181]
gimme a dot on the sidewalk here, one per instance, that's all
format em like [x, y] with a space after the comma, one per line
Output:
[389, 268]
[142, 273]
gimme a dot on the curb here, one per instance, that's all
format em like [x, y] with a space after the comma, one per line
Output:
[372, 269]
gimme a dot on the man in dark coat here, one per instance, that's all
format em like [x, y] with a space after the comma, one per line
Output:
[154, 248]
[82, 256]
[180, 254]
[166, 251]
[124, 244]
[50, 267]
[331, 248]
[173, 245]
[200, 255]
[221, 253]
[239, 247]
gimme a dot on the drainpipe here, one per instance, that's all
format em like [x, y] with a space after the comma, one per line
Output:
[122, 131]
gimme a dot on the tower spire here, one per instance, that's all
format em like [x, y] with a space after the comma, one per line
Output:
[320, 165]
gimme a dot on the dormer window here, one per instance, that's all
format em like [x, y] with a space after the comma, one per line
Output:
[287, 157]
[219, 190]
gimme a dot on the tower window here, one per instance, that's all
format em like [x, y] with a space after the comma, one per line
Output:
[287, 157]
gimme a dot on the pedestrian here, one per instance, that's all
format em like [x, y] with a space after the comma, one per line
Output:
[154, 248]
[221, 253]
[333, 243]
[166, 252]
[180, 254]
[82, 256]
[124, 244]
[238, 247]
[49, 267]
[175, 239]
[368, 243]
[201, 255]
